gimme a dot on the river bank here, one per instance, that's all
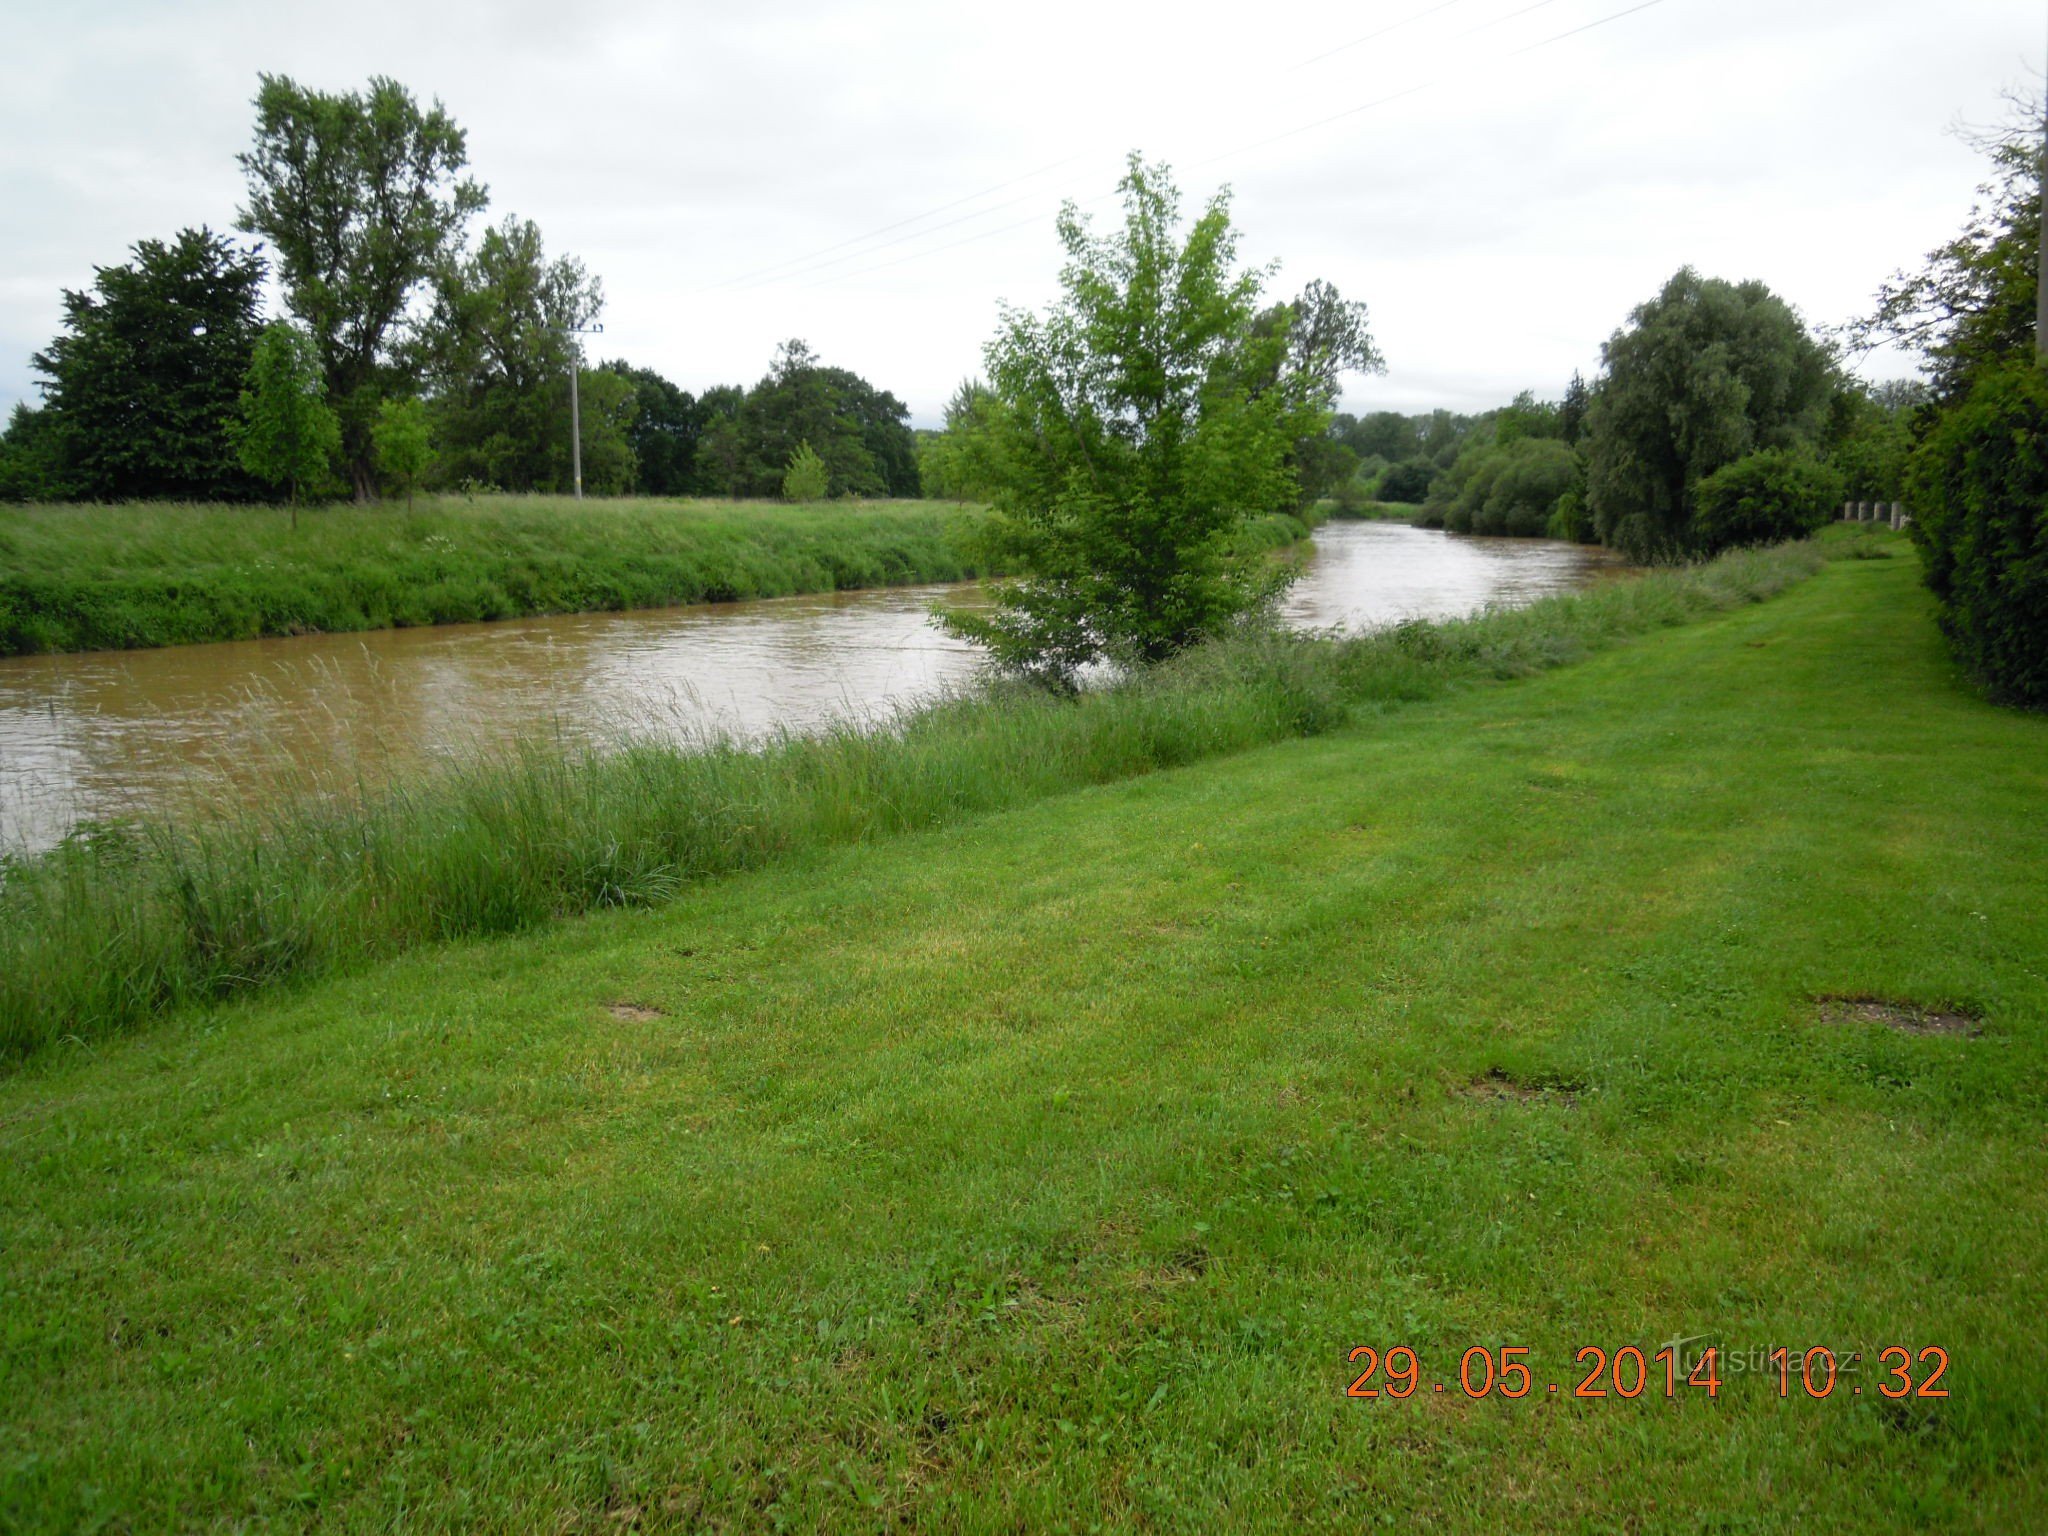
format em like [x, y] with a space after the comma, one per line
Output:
[154, 574]
[1045, 1171]
[131, 920]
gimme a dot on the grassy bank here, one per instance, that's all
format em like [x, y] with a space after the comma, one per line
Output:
[1041, 1173]
[114, 929]
[147, 574]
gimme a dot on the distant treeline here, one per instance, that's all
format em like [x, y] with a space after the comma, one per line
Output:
[431, 361]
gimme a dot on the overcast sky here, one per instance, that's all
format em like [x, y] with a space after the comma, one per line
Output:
[875, 178]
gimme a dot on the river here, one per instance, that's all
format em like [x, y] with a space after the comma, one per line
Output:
[112, 733]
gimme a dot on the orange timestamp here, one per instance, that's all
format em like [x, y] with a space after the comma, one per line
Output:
[1631, 1372]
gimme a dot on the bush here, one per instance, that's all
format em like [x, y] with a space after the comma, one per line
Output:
[807, 477]
[1510, 490]
[1408, 482]
[1980, 517]
[1766, 498]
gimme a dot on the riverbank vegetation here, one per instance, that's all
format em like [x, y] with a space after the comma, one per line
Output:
[125, 922]
[1044, 1172]
[147, 574]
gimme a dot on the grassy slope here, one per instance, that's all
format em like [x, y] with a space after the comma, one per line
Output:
[75, 578]
[1042, 1171]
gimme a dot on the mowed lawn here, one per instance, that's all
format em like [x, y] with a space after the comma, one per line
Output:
[1043, 1172]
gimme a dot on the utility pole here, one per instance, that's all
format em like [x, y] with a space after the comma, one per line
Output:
[575, 404]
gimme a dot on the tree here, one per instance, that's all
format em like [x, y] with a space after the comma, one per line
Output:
[1510, 489]
[287, 433]
[1145, 416]
[403, 438]
[1704, 374]
[28, 457]
[958, 463]
[1571, 412]
[497, 348]
[805, 480]
[143, 381]
[721, 454]
[667, 425]
[862, 433]
[1408, 482]
[1972, 306]
[360, 196]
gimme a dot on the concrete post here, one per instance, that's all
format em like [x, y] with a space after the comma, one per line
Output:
[1862, 511]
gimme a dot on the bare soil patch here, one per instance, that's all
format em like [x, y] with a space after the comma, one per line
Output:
[1907, 1018]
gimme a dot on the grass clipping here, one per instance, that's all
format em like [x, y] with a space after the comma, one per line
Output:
[116, 927]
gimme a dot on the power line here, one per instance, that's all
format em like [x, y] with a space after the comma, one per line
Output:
[748, 278]
[1405, 21]
[1256, 144]
[1488, 26]
[1589, 26]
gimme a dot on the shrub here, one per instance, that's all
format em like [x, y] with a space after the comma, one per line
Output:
[1980, 517]
[1510, 490]
[807, 477]
[1766, 498]
[1407, 482]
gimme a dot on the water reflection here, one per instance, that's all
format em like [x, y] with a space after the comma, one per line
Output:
[113, 733]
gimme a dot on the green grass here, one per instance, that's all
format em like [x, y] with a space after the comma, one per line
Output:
[128, 922]
[1039, 1173]
[148, 574]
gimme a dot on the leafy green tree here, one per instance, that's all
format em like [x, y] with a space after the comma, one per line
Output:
[287, 434]
[1145, 416]
[143, 381]
[1507, 489]
[958, 464]
[1980, 517]
[1704, 374]
[404, 441]
[361, 197]
[1408, 482]
[721, 452]
[1778, 494]
[1571, 411]
[498, 351]
[862, 433]
[1972, 306]
[805, 479]
[667, 425]
[1870, 440]
[28, 457]
[1527, 417]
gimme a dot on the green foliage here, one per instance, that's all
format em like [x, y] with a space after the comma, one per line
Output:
[1706, 373]
[1527, 417]
[103, 933]
[360, 197]
[663, 435]
[29, 469]
[1512, 489]
[806, 478]
[1980, 517]
[90, 578]
[1573, 409]
[404, 443]
[286, 434]
[1870, 441]
[862, 433]
[1767, 498]
[1145, 417]
[958, 464]
[499, 355]
[1408, 481]
[143, 382]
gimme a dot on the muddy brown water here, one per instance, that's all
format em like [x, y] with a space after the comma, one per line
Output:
[118, 733]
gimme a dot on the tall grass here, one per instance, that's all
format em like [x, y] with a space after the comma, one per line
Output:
[113, 928]
[149, 574]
